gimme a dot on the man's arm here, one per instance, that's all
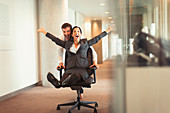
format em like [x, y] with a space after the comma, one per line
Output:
[94, 54]
[60, 52]
[94, 64]
[94, 58]
[61, 55]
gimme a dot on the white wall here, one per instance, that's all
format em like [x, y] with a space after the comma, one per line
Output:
[71, 16]
[87, 32]
[76, 19]
[52, 14]
[18, 64]
[147, 90]
[80, 20]
[115, 44]
[105, 45]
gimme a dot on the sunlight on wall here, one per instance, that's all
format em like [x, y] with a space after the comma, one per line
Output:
[87, 33]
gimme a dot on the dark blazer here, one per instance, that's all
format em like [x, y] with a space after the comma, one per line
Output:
[78, 59]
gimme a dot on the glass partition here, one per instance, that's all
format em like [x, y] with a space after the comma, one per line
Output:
[148, 56]
[148, 28]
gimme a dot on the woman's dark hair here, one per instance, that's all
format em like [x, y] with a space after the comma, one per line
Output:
[74, 28]
[66, 25]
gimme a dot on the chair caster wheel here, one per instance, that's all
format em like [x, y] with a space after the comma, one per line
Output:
[96, 105]
[58, 107]
[95, 111]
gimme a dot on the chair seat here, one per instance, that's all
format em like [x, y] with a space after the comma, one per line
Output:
[87, 83]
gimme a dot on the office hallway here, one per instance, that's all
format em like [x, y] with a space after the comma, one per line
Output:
[45, 100]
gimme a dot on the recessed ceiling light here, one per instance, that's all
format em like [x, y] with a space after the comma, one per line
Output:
[106, 12]
[102, 4]
[109, 17]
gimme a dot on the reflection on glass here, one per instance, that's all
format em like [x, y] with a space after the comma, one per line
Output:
[149, 51]
[148, 27]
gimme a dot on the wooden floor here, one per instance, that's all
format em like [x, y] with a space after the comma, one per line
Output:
[44, 99]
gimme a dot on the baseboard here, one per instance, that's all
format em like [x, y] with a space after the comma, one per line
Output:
[2, 98]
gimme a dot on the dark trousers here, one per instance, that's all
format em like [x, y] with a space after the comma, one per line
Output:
[55, 82]
[73, 76]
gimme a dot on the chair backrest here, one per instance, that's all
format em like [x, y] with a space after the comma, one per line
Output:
[90, 60]
[89, 56]
[90, 71]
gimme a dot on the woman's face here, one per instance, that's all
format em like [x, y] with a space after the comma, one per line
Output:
[76, 34]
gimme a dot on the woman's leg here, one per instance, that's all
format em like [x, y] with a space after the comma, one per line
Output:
[72, 79]
[53, 80]
[81, 94]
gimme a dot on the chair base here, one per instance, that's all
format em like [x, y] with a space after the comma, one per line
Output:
[78, 104]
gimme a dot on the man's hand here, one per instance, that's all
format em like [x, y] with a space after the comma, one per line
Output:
[97, 66]
[42, 31]
[60, 65]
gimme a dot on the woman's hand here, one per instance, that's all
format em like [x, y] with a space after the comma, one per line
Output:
[109, 29]
[42, 31]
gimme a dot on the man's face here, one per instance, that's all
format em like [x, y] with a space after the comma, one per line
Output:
[76, 34]
[66, 32]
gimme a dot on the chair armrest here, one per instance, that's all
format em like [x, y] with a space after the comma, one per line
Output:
[60, 69]
[93, 67]
[94, 73]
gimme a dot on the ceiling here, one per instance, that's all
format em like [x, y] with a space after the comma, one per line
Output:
[92, 8]
[89, 8]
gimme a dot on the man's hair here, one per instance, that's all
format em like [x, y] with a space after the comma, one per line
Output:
[74, 28]
[66, 25]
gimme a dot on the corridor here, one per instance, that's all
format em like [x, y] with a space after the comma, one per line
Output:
[44, 99]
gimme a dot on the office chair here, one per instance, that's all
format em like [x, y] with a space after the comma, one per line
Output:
[87, 83]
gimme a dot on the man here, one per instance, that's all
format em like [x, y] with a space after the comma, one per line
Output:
[66, 29]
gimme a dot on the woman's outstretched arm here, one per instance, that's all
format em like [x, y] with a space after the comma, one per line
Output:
[98, 37]
[52, 37]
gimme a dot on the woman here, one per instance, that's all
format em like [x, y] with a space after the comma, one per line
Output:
[76, 50]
